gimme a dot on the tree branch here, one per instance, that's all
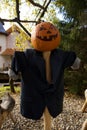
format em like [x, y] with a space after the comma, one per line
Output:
[40, 9]
[17, 9]
[24, 28]
[19, 22]
[45, 9]
[36, 4]
[15, 20]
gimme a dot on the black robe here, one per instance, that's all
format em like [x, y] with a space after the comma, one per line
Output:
[36, 92]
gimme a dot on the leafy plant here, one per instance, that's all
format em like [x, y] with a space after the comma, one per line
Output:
[4, 89]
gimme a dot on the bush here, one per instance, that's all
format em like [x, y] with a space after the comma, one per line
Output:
[75, 81]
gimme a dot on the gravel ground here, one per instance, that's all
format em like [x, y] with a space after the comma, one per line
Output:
[70, 119]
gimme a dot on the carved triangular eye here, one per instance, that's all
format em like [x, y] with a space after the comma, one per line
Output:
[42, 28]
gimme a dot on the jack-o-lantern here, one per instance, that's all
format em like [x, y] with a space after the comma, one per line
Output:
[45, 37]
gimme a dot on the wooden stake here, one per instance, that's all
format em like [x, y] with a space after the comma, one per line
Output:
[85, 103]
[84, 126]
[47, 116]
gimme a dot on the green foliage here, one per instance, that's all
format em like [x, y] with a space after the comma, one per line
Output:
[71, 8]
[22, 41]
[73, 38]
[75, 81]
[4, 89]
[8, 7]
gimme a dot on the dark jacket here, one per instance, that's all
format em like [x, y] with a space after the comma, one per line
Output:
[36, 92]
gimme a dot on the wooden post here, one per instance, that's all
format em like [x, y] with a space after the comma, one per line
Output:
[47, 116]
[84, 126]
[85, 103]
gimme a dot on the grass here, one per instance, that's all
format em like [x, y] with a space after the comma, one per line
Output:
[4, 89]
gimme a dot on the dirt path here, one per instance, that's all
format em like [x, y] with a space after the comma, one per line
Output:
[70, 119]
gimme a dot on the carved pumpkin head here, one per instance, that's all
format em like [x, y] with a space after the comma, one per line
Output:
[45, 37]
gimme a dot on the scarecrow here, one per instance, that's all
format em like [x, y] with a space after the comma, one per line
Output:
[42, 73]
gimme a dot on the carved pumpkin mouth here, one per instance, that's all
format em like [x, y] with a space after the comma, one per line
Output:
[47, 38]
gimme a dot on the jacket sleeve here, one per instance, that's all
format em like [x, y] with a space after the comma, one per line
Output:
[68, 58]
[16, 66]
[16, 63]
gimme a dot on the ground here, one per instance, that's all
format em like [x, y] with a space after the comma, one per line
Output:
[70, 119]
